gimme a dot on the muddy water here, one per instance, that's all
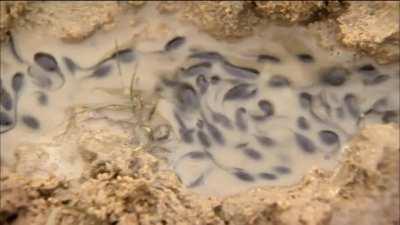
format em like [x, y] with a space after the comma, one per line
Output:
[261, 111]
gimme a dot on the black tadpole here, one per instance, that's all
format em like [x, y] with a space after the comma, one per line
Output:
[5, 119]
[101, 72]
[302, 123]
[252, 153]
[203, 139]
[278, 81]
[221, 119]
[215, 133]
[31, 122]
[5, 99]
[328, 137]
[70, 64]
[305, 58]
[17, 82]
[240, 72]
[352, 104]
[265, 141]
[244, 176]
[211, 56]
[305, 100]
[187, 96]
[48, 63]
[174, 43]
[335, 76]
[241, 122]
[305, 143]
[240, 92]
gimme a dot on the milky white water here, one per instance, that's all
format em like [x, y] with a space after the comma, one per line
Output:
[261, 111]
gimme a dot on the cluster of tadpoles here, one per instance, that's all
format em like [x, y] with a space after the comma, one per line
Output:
[45, 73]
[192, 84]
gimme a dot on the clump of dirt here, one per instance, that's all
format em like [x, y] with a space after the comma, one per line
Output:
[372, 27]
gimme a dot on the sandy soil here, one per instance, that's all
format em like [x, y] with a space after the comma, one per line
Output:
[133, 188]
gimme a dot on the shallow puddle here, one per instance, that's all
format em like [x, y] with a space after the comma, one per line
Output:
[261, 111]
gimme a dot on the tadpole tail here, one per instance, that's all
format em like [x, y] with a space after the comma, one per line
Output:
[13, 48]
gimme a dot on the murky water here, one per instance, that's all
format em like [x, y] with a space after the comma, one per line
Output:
[262, 111]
